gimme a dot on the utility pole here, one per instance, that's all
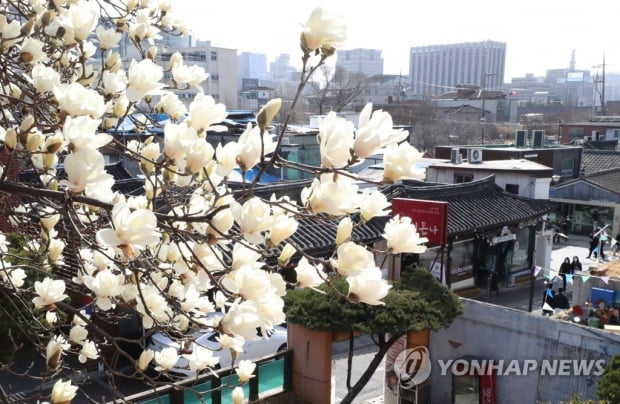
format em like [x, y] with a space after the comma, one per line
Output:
[601, 90]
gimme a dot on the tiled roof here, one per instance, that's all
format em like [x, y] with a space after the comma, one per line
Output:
[594, 161]
[475, 206]
[608, 179]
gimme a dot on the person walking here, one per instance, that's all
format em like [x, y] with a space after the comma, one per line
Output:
[565, 269]
[593, 243]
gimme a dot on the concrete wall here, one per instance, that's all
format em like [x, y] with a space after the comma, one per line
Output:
[486, 331]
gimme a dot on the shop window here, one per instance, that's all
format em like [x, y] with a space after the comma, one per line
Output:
[512, 188]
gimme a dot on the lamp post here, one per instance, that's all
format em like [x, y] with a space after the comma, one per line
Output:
[483, 95]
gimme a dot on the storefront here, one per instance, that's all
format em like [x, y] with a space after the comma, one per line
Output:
[490, 234]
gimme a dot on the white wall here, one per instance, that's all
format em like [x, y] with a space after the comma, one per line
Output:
[487, 331]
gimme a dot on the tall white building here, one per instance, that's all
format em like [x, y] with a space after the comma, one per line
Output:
[366, 61]
[437, 69]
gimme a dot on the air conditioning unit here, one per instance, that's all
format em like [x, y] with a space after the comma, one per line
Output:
[455, 156]
[538, 138]
[474, 156]
[596, 136]
[520, 137]
[587, 139]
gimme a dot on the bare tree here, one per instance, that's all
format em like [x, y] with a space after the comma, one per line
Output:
[337, 89]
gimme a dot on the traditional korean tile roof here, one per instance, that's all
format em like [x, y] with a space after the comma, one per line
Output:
[594, 161]
[607, 179]
[475, 206]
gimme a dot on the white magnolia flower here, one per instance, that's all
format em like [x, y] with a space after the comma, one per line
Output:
[84, 167]
[200, 154]
[78, 334]
[248, 282]
[82, 18]
[190, 76]
[345, 227]
[54, 350]
[172, 105]
[368, 287]
[108, 38]
[336, 198]
[307, 274]
[132, 229]
[88, 351]
[253, 218]
[375, 133]
[374, 203]
[234, 343]
[245, 256]
[144, 79]
[353, 259]
[152, 305]
[32, 51]
[335, 141]
[242, 319]
[403, 237]
[54, 250]
[205, 114]
[166, 359]
[114, 82]
[251, 146]
[48, 220]
[178, 138]
[323, 30]
[399, 163]
[226, 158]
[201, 358]
[104, 285]
[45, 78]
[49, 291]
[63, 392]
[51, 317]
[268, 112]
[237, 395]
[145, 358]
[76, 100]
[245, 371]
[81, 133]
[4, 243]
[283, 227]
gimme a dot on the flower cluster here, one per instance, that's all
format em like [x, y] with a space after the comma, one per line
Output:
[190, 245]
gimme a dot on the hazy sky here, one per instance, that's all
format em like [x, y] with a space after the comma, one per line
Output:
[540, 34]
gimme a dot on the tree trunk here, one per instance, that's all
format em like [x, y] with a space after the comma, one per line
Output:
[370, 370]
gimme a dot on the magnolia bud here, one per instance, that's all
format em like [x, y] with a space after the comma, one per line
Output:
[176, 60]
[152, 53]
[10, 139]
[268, 112]
[34, 140]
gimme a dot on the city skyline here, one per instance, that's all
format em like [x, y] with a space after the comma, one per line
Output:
[539, 35]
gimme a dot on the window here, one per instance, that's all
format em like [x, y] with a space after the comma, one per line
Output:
[575, 133]
[512, 188]
[461, 178]
[567, 167]
[215, 77]
[213, 55]
[616, 133]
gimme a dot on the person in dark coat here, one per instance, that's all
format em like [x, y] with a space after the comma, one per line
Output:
[548, 296]
[565, 269]
[560, 301]
[593, 243]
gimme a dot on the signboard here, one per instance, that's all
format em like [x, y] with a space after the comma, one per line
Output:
[430, 217]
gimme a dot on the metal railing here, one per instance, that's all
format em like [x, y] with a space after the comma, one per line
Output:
[210, 388]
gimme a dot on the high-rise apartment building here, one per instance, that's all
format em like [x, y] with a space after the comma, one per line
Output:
[366, 61]
[437, 69]
[280, 68]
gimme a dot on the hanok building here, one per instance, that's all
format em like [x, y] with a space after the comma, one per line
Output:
[490, 232]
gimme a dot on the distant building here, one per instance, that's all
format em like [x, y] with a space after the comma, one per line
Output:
[365, 61]
[280, 68]
[436, 69]
[252, 65]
